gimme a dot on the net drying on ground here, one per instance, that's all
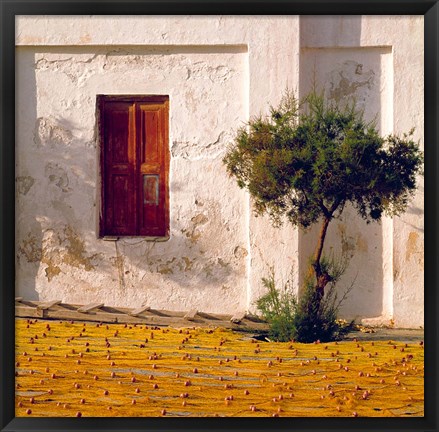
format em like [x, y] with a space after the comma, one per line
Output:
[67, 369]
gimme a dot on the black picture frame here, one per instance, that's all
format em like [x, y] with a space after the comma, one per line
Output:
[10, 8]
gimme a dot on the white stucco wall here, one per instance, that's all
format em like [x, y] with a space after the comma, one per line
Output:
[217, 71]
[215, 78]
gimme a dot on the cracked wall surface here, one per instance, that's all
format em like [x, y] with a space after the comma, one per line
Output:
[206, 104]
[218, 71]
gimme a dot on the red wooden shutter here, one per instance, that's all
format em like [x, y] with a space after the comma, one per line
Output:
[153, 169]
[119, 168]
[135, 166]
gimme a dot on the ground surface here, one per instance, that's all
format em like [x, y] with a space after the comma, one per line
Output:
[68, 369]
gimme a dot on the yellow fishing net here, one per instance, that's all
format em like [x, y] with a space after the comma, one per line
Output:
[66, 369]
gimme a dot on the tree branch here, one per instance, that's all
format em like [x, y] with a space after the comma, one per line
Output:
[320, 244]
[334, 206]
[324, 209]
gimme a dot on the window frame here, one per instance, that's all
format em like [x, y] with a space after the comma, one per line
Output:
[101, 100]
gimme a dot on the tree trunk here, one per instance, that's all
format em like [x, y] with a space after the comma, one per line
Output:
[322, 276]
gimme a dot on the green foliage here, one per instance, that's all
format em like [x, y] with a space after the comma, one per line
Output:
[333, 266]
[308, 159]
[278, 309]
[305, 319]
[317, 320]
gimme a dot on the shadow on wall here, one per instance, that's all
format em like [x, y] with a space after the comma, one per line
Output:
[322, 31]
[51, 186]
[417, 211]
[155, 270]
[57, 232]
[28, 229]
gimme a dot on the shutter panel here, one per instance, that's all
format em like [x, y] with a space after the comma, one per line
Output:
[153, 169]
[119, 168]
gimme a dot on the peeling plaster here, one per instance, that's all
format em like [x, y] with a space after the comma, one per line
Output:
[167, 267]
[48, 132]
[361, 244]
[51, 270]
[196, 150]
[348, 244]
[193, 233]
[76, 255]
[350, 80]
[62, 252]
[199, 219]
[188, 264]
[24, 184]
[203, 70]
[30, 248]
[414, 249]
[240, 252]
[72, 67]
[57, 175]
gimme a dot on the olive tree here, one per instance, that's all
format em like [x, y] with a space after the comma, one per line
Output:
[307, 159]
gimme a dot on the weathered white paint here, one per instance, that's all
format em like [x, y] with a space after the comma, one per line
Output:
[218, 72]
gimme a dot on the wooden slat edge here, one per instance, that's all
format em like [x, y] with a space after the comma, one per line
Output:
[238, 317]
[136, 312]
[190, 316]
[22, 311]
[90, 307]
[48, 305]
